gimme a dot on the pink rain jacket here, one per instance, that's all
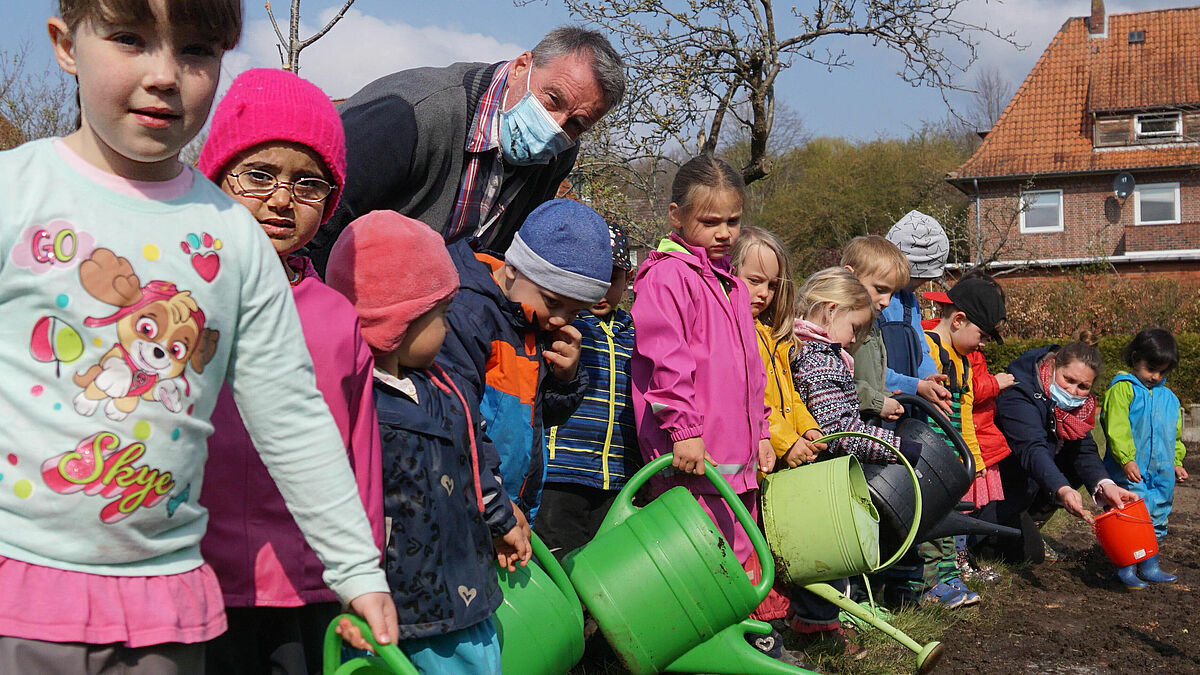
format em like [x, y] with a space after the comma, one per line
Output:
[696, 368]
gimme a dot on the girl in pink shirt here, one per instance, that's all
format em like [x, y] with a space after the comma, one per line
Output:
[276, 146]
[698, 380]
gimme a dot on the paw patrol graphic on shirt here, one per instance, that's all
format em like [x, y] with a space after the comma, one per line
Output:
[160, 332]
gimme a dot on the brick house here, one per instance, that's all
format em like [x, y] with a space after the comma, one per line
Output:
[1111, 96]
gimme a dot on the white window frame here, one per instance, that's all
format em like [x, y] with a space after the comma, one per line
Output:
[1137, 204]
[1039, 230]
[1175, 133]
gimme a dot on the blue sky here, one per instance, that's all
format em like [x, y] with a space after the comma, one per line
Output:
[380, 36]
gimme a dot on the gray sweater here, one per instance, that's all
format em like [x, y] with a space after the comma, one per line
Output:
[406, 135]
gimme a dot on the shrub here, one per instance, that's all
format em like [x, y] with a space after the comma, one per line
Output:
[1106, 303]
[1184, 380]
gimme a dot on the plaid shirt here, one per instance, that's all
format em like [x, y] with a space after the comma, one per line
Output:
[484, 191]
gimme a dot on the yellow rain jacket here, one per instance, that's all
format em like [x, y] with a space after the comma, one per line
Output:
[790, 419]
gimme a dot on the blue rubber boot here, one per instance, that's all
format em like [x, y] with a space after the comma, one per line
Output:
[1129, 577]
[1149, 570]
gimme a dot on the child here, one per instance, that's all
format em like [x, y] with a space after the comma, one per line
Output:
[1144, 429]
[910, 370]
[972, 308]
[442, 484]
[276, 146]
[698, 381]
[594, 452]
[883, 270]
[985, 492]
[156, 288]
[511, 335]
[761, 262]
[835, 309]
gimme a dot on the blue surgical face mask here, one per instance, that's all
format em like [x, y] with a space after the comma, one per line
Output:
[1062, 398]
[528, 134]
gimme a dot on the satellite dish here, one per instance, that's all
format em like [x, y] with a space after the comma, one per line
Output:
[1123, 185]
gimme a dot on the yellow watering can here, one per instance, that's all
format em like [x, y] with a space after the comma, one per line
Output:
[821, 524]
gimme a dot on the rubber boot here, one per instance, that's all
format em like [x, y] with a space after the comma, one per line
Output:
[1128, 576]
[1149, 570]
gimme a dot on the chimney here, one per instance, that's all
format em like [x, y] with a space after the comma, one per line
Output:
[1096, 22]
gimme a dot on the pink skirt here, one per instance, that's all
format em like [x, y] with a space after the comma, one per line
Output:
[986, 488]
[53, 605]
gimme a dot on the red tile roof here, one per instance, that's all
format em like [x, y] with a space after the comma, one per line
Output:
[1047, 126]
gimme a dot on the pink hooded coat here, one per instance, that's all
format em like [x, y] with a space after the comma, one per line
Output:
[696, 369]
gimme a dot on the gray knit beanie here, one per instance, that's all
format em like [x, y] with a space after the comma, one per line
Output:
[563, 246]
[924, 242]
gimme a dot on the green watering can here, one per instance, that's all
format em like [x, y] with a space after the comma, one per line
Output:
[540, 623]
[667, 590]
[821, 524]
[388, 659]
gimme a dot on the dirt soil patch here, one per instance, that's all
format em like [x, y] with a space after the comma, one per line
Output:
[1071, 617]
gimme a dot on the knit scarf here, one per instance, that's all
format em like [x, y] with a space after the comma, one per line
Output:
[1072, 424]
[811, 332]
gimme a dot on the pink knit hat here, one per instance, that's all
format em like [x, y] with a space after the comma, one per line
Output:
[393, 269]
[267, 104]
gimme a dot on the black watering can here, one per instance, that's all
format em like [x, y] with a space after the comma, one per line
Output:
[944, 475]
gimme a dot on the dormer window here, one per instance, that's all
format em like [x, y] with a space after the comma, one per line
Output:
[1163, 126]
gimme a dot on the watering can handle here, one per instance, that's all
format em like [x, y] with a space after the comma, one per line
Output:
[939, 418]
[554, 570]
[916, 521]
[391, 654]
[623, 506]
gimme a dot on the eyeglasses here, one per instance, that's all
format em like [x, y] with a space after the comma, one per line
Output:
[259, 183]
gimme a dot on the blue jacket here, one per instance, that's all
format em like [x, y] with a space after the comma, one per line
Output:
[1142, 425]
[439, 559]
[1025, 416]
[598, 446]
[904, 339]
[494, 344]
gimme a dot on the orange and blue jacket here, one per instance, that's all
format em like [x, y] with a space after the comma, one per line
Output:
[496, 346]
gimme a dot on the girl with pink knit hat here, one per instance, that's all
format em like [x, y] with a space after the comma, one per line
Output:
[448, 516]
[276, 146]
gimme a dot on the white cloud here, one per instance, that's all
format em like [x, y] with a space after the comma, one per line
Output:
[361, 48]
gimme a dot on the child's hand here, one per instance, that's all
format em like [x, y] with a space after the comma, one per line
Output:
[690, 456]
[891, 409]
[1005, 380]
[563, 354]
[1131, 471]
[931, 389]
[1181, 474]
[803, 450]
[766, 456]
[514, 546]
[380, 614]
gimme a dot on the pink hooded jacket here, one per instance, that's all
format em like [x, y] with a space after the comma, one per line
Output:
[252, 542]
[696, 369]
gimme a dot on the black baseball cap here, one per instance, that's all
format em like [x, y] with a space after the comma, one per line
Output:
[981, 301]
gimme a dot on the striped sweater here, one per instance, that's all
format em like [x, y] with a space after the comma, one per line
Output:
[827, 388]
[597, 446]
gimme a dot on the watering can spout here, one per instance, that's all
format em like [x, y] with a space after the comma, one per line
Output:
[957, 523]
[728, 652]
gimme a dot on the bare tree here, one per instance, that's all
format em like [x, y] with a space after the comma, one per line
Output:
[992, 93]
[698, 66]
[291, 46]
[38, 103]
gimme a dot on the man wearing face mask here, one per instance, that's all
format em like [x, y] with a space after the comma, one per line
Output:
[471, 149]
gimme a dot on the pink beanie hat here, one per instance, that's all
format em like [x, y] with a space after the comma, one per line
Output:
[393, 269]
[268, 104]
